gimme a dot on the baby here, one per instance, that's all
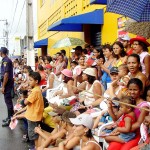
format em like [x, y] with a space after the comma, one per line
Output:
[123, 75]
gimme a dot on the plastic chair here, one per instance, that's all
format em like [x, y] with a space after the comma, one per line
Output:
[50, 92]
[100, 139]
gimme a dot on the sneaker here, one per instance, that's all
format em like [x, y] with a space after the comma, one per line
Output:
[6, 124]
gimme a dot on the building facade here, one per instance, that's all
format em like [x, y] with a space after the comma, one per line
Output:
[83, 19]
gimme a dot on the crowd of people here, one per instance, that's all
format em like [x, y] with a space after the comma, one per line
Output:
[66, 102]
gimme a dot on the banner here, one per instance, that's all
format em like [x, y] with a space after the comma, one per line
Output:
[121, 26]
[17, 50]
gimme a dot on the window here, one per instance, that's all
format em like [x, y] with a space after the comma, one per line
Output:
[95, 35]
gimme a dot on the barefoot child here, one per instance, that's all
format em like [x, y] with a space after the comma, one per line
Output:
[122, 133]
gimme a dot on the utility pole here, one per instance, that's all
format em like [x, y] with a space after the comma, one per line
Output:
[6, 32]
[29, 33]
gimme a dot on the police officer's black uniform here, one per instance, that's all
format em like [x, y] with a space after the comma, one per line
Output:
[7, 67]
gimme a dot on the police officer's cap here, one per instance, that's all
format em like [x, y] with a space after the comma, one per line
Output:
[4, 50]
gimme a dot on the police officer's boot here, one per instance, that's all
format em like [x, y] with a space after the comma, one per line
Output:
[6, 124]
[4, 120]
[8, 120]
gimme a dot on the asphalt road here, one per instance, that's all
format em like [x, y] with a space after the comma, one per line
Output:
[10, 139]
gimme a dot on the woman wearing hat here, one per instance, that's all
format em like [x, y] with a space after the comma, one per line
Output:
[67, 78]
[140, 46]
[67, 90]
[82, 128]
[91, 86]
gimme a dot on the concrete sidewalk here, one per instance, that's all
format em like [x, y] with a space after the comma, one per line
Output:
[10, 139]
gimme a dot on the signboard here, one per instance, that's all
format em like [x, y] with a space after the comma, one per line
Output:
[121, 26]
[17, 50]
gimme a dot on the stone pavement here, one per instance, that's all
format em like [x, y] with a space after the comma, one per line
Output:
[10, 139]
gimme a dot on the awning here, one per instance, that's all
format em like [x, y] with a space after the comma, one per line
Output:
[98, 2]
[75, 23]
[41, 43]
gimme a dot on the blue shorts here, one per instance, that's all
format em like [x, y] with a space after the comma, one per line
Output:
[126, 137]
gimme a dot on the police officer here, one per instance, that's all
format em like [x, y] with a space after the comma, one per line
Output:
[7, 83]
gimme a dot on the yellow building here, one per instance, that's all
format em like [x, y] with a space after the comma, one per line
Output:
[83, 19]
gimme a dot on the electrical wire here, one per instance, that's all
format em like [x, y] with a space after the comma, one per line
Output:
[14, 16]
[19, 18]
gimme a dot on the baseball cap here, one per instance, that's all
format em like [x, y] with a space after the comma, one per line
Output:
[4, 50]
[125, 38]
[114, 70]
[72, 50]
[90, 71]
[83, 119]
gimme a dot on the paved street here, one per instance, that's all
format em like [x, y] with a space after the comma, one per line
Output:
[9, 139]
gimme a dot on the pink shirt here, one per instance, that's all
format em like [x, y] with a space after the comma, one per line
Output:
[137, 110]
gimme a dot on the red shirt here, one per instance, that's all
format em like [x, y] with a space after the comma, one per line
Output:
[122, 122]
[129, 52]
[48, 66]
